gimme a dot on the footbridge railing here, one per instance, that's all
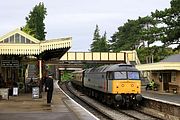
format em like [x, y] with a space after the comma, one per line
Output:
[107, 57]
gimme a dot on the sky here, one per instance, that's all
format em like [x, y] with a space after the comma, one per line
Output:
[78, 18]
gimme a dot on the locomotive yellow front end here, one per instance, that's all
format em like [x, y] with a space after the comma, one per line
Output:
[126, 86]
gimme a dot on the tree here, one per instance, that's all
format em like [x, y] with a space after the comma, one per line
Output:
[169, 22]
[134, 34]
[99, 43]
[34, 22]
[148, 27]
[157, 52]
[104, 47]
[161, 26]
[96, 39]
[127, 37]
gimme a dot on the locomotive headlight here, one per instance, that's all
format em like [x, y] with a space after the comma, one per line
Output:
[122, 85]
[132, 85]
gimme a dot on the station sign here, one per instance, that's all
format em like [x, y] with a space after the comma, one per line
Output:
[35, 92]
[9, 63]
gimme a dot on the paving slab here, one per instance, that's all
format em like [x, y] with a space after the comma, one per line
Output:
[24, 107]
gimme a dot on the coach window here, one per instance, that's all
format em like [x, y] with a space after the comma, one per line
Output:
[173, 76]
[102, 76]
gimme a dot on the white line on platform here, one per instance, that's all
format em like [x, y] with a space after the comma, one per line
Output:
[56, 84]
[163, 101]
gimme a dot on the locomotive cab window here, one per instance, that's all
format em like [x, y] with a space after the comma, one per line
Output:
[133, 75]
[120, 75]
[110, 75]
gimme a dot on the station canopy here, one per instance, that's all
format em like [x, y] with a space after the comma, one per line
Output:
[18, 42]
[170, 63]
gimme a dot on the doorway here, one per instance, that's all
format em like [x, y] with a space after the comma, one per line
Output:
[166, 79]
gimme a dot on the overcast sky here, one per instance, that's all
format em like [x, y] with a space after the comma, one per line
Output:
[78, 18]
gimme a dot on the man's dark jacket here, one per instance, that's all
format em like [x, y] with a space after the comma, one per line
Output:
[49, 84]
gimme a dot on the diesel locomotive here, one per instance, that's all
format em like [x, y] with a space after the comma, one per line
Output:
[117, 85]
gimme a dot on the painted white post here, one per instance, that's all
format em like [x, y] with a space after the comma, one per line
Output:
[162, 82]
[40, 78]
[40, 69]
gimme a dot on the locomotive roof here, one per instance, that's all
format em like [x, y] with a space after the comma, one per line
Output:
[116, 67]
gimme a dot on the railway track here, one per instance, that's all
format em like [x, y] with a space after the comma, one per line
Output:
[87, 106]
[138, 115]
[103, 111]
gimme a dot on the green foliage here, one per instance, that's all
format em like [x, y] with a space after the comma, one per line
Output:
[99, 43]
[66, 76]
[127, 36]
[161, 26]
[103, 46]
[158, 53]
[146, 30]
[169, 19]
[134, 34]
[20, 85]
[34, 22]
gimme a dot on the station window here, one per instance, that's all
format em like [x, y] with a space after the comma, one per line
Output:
[6, 40]
[27, 40]
[16, 38]
[160, 77]
[12, 39]
[22, 39]
[173, 76]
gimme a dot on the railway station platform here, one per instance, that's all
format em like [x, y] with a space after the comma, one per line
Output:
[163, 97]
[25, 108]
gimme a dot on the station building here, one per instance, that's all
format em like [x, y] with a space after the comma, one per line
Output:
[165, 73]
[18, 49]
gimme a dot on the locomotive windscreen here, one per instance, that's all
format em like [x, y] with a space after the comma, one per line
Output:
[127, 75]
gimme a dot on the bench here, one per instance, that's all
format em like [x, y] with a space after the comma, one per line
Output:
[174, 87]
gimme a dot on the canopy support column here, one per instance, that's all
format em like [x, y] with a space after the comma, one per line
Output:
[40, 69]
[40, 78]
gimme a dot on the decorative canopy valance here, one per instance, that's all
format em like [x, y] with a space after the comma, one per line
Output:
[18, 42]
[159, 66]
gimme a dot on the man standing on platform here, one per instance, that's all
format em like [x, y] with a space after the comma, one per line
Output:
[49, 87]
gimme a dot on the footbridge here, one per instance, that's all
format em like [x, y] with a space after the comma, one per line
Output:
[101, 57]
[76, 60]
[97, 57]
